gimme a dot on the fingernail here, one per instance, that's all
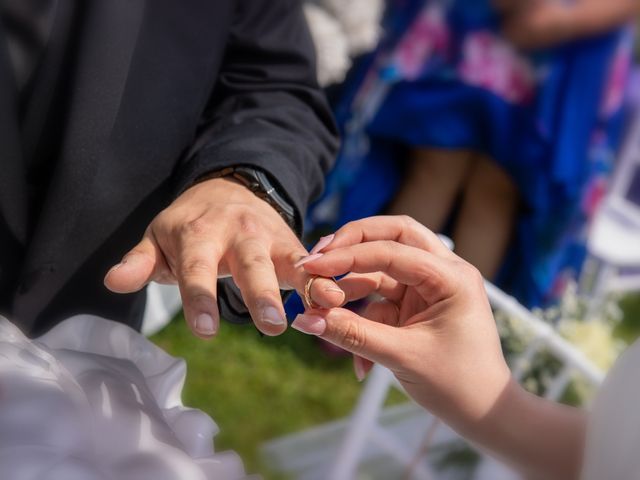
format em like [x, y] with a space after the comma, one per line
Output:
[116, 267]
[113, 269]
[307, 259]
[273, 316]
[322, 243]
[205, 324]
[310, 324]
[336, 291]
[358, 368]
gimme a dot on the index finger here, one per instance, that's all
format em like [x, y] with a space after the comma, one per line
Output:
[428, 273]
[402, 229]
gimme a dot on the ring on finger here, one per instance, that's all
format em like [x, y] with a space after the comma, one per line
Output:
[308, 301]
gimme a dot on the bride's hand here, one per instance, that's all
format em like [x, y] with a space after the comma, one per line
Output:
[432, 326]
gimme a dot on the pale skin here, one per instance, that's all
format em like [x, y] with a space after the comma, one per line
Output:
[434, 329]
[214, 229]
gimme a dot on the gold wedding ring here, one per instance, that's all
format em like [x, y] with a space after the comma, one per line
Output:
[309, 303]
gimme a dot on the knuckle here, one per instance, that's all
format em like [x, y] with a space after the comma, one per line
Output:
[248, 223]
[472, 272]
[470, 275]
[388, 253]
[196, 227]
[264, 297]
[254, 260]
[354, 228]
[408, 221]
[196, 267]
[351, 225]
[353, 337]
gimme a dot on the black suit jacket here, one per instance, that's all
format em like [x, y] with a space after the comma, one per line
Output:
[144, 97]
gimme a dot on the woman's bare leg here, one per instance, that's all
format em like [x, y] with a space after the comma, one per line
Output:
[433, 182]
[487, 217]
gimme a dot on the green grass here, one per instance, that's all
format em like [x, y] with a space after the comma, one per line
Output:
[257, 388]
[629, 328]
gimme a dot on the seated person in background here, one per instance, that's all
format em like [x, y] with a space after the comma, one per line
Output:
[506, 115]
[433, 327]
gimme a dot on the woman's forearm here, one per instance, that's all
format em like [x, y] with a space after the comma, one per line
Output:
[542, 439]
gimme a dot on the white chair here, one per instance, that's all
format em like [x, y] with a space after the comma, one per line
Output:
[613, 264]
[363, 428]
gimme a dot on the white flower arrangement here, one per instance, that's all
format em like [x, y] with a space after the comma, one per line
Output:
[594, 336]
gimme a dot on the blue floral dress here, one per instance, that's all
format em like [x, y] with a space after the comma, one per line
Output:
[443, 76]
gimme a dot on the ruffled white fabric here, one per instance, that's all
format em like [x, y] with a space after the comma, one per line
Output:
[613, 440]
[93, 399]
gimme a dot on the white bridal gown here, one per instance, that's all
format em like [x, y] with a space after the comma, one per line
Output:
[613, 440]
[94, 400]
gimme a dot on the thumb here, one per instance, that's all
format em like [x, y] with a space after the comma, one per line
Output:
[374, 341]
[136, 269]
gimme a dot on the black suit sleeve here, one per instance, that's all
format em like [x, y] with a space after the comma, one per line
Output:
[266, 111]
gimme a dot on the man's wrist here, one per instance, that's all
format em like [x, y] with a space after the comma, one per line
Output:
[259, 183]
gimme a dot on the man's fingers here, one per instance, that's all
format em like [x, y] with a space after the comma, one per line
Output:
[401, 229]
[360, 285]
[197, 273]
[429, 274]
[254, 273]
[137, 267]
[324, 292]
[374, 341]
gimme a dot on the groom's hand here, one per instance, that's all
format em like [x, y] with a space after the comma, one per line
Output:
[214, 229]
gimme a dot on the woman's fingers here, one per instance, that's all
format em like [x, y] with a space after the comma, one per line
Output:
[429, 274]
[401, 229]
[324, 292]
[374, 341]
[385, 312]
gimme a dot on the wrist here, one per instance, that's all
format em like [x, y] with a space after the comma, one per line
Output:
[262, 186]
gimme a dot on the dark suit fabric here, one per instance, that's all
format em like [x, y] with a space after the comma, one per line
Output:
[132, 101]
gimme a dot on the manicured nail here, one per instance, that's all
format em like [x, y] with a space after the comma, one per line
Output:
[273, 316]
[310, 258]
[205, 324]
[358, 368]
[322, 243]
[310, 324]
